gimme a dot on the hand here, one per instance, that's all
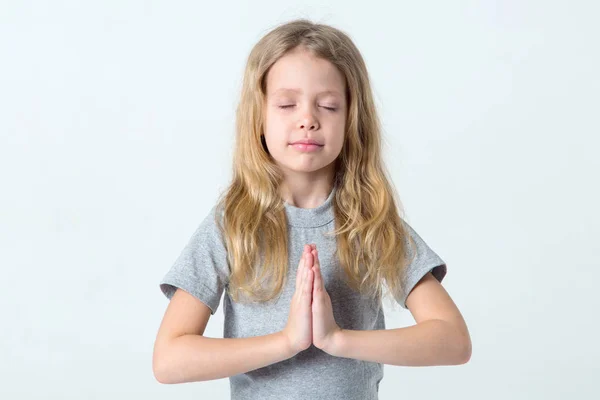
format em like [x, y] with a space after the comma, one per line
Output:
[324, 327]
[298, 330]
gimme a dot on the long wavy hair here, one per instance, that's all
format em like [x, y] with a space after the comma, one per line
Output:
[370, 235]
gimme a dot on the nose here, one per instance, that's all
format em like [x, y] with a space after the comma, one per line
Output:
[308, 122]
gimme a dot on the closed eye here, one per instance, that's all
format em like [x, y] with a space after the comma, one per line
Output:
[292, 105]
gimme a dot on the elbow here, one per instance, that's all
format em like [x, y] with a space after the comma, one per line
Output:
[162, 375]
[462, 346]
[159, 378]
[465, 351]
[160, 369]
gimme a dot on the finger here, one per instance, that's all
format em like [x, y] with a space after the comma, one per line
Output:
[308, 285]
[300, 271]
[309, 264]
[316, 284]
[305, 264]
[309, 260]
[317, 271]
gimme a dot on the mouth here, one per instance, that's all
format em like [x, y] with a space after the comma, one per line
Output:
[307, 141]
[306, 147]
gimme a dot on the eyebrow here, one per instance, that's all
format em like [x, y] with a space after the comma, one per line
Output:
[297, 90]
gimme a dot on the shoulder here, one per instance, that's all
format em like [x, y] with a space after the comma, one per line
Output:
[207, 239]
[212, 220]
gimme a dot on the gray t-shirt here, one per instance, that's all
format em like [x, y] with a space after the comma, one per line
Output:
[202, 270]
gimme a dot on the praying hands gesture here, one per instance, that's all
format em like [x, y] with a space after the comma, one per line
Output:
[310, 320]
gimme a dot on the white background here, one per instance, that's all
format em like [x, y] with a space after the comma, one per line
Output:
[116, 134]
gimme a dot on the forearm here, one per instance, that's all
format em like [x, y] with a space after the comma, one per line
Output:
[433, 342]
[191, 358]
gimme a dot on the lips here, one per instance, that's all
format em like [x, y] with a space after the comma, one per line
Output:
[306, 147]
[308, 141]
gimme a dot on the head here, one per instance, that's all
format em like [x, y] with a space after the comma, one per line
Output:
[305, 101]
[304, 81]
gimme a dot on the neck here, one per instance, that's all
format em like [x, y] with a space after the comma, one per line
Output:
[306, 191]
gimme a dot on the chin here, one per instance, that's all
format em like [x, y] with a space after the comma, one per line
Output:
[306, 167]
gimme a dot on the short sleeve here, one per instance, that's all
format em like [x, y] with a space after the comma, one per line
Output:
[202, 268]
[425, 260]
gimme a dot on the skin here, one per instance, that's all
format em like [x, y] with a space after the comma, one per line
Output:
[324, 327]
[317, 110]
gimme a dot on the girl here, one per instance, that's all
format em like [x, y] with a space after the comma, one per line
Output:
[304, 239]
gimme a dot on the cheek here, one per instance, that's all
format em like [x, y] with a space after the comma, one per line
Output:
[338, 138]
[339, 129]
[275, 133]
[338, 144]
[276, 126]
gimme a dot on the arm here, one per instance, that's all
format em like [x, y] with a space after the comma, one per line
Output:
[440, 336]
[182, 354]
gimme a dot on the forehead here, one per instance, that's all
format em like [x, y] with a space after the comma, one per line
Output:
[300, 72]
[300, 91]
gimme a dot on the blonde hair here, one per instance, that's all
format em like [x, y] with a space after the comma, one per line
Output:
[371, 238]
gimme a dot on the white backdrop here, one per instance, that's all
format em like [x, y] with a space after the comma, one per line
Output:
[116, 130]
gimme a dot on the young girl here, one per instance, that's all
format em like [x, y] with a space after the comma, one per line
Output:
[303, 241]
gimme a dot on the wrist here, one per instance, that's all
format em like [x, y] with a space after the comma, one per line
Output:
[336, 344]
[286, 345]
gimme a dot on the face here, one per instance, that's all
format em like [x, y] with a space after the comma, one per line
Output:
[305, 101]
